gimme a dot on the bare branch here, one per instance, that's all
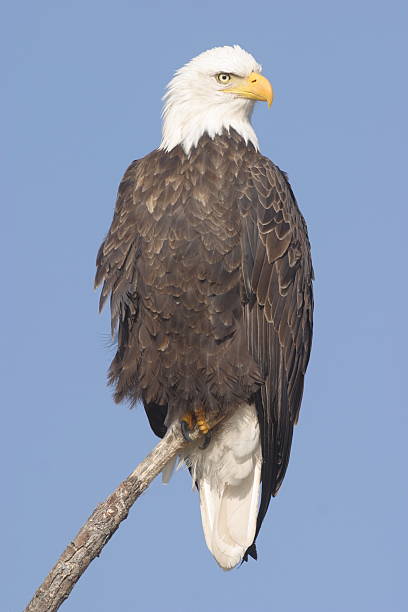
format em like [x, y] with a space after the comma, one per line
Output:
[103, 523]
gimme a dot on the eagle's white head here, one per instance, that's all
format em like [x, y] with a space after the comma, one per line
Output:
[214, 91]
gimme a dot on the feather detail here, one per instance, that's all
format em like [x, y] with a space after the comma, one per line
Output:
[208, 268]
[168, 470]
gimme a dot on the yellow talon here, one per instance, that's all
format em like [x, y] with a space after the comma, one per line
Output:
[201, 420]
[188, 418]
[195, 417]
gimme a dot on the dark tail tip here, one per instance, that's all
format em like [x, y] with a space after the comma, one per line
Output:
[251, 552]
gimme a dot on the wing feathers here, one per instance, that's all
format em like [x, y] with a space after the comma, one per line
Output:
[277, 276]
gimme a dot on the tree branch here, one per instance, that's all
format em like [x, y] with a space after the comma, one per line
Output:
[103, 523]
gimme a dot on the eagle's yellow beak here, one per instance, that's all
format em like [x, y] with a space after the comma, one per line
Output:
[255, 87]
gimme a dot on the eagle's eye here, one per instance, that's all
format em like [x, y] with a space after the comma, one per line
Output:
[223, 78]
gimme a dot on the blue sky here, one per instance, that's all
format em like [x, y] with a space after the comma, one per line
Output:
[81, 97]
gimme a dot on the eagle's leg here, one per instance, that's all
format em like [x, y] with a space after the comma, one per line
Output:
[187, 422]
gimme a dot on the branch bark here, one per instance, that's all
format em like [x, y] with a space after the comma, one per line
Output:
[103, 523]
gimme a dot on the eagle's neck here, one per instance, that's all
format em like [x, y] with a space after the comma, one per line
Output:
[185, 122]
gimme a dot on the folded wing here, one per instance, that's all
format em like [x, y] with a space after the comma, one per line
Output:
[277, 279]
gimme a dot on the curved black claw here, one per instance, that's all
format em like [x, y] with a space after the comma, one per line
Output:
[206, 441]
[185, 431]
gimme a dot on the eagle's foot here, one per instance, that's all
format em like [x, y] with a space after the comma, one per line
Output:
[207, 440]
[189, 420]
[187, 423]
[201, 421]
[203, 426]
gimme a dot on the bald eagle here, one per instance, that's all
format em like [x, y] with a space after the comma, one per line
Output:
[207, 264]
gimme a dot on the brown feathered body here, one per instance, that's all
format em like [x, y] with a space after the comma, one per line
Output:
[208, 266]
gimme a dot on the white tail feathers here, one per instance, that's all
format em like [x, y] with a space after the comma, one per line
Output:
[168, 470]
[228, 475]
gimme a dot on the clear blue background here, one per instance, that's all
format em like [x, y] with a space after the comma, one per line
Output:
[81, 97]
